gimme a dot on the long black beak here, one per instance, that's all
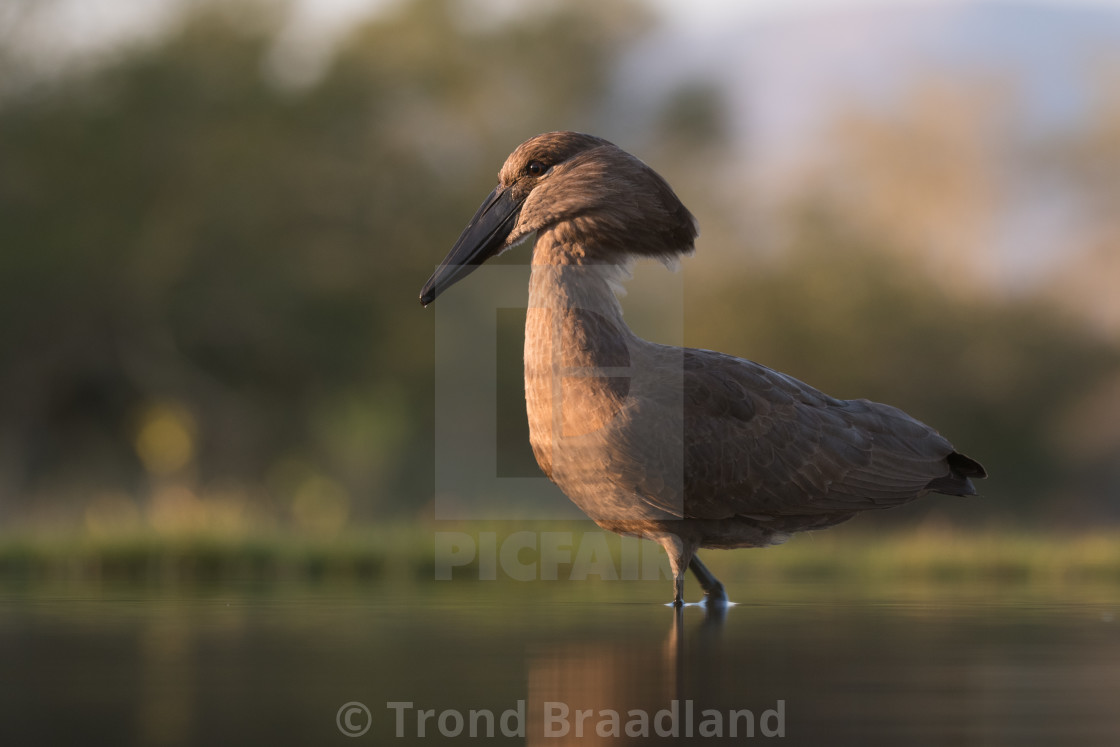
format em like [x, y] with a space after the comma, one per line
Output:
[483, 238]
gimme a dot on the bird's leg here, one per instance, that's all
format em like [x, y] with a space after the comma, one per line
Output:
[680, 556]
[713, 589]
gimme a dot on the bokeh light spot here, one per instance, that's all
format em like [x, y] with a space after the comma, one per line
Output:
[166, 439]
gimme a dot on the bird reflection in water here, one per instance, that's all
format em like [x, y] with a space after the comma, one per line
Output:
[607, 692]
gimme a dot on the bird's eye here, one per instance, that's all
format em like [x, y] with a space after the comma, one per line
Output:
[535, 168]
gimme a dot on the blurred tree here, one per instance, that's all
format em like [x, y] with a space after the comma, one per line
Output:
[1088, 163]
[924, 176]
[1087, 280]
[178, 231]
[693, 117]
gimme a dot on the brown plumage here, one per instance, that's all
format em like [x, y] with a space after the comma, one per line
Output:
[690, 448]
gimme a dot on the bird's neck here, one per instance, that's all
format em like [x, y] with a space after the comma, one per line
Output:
[563, 279]
[578, 350]
[574, 307]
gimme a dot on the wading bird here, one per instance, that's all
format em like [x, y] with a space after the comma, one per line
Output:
[689, 448]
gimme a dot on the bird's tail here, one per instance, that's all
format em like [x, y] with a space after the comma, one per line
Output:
[958, 482]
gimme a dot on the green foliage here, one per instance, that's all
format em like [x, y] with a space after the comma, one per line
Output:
[909, 563]
[178, 228]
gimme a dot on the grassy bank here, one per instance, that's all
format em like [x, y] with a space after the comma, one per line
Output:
[414, 551]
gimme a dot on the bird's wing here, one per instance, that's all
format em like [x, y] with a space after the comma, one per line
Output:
[759, 443]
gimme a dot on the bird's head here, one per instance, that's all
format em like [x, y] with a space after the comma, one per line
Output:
[598, 197]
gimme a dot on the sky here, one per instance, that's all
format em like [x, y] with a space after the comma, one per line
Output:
[691, 12]
[81, 24]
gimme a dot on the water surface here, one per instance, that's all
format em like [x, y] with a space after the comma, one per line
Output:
[813, 665]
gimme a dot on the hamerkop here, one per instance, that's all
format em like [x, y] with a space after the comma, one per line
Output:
[689, 448]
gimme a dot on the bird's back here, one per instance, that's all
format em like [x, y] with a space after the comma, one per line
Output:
[758, 443]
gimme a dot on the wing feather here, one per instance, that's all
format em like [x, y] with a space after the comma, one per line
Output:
[761, 443]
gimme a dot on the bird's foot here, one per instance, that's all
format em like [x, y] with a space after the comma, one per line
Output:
[715, 595]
